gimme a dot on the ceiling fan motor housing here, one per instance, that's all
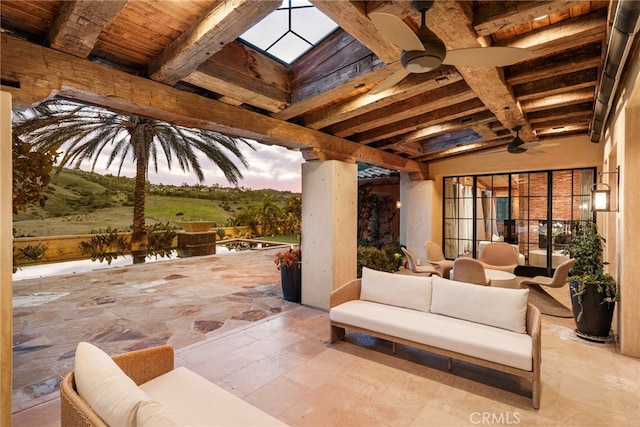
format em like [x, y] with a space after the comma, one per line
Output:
[423, 61]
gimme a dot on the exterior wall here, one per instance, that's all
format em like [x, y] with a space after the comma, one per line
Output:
[419, 212]
[329, 224]
[621, 229]
[6, 285]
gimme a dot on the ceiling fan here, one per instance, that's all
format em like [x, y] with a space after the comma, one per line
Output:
[424, 51]
[517, 146]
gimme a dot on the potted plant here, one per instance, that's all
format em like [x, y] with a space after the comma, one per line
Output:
[290, 274]
[593, 292]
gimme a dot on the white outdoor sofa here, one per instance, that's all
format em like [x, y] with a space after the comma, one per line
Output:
[484, 325]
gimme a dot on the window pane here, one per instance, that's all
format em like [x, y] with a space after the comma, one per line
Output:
[311, 24]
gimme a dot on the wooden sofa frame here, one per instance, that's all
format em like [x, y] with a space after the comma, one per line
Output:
[351, 291]
[140, 365]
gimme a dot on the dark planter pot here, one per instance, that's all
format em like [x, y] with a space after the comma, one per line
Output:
[595, 323]
[291, 282]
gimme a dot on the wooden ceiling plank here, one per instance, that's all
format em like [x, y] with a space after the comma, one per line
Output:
[572, 60]
[578, 119]
[350, 16]
[502, 15]
[221, 24]
[79, 23]
[43, 72]
[409, 107]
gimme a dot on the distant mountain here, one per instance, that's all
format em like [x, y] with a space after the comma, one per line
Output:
[80, 201]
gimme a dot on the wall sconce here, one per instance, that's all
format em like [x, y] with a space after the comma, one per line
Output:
[601, 193]
[398, 204]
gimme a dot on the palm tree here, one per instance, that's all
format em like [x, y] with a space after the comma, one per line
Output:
[269, 211]
[85, 132]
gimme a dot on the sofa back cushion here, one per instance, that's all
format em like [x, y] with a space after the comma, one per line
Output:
[500, 307]
[105, 387]
[400, 290]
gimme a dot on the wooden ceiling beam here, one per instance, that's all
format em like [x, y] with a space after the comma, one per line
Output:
[405, 109]
[351, 17]
[244, 74]
[563, 35]
[502, 15]
[416, 123]
[40, 73]
[561, 112]
[79, 24]
[559, 100]
[555, 85]
[451, 21]
[576, 119]
[220, 25]
[569, 61]
[367, 102]
[354, 87]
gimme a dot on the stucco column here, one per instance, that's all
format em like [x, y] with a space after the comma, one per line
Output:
[329, 228]
[416, 219]
[6, 260]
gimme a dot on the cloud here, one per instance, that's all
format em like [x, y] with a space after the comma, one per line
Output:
[268, 167]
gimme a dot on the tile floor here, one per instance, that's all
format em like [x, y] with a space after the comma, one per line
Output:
[284, 365]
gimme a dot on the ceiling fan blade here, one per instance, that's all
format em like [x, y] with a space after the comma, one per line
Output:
[394, 29]
[496, 56]
[535, 152]
[489, 152]
[390, 81]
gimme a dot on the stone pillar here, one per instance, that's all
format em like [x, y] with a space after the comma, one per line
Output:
[416, 220]
[329, 228]
[6, 260]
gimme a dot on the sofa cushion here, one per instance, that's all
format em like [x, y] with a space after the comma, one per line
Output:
[198, 402]
[105, 387]
[401, 290]
[500, 307]
[153, 414]
[448, 333]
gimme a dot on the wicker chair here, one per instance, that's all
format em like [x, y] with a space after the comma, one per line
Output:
[435, 257]
[470, 270]
[419, 269]
[140, 365]
[500, 256]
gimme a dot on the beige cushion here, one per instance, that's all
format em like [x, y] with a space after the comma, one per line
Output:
[401, 290]
[500, 307]
[105, 387]
[195, 401]
[153, 414]
[448, 333]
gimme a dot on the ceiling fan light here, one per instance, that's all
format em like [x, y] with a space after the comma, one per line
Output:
[419, 61]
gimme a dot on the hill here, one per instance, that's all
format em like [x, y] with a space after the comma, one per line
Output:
[80, 201]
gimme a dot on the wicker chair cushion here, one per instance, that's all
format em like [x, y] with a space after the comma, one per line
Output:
[500, 307]
[105, 387]
[412, 292]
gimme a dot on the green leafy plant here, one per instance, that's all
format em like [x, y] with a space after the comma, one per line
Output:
[387, 258]
[105, 246]
[586, 248]
[32, 252]
[160, 237]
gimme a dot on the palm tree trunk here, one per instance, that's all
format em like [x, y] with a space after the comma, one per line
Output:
[138, 235]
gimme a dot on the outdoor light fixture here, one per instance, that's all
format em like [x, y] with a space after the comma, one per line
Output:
[601, 194]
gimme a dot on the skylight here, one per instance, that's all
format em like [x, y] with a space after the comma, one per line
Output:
[290, 31]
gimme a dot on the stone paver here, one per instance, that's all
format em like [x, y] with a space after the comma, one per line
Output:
[178, 302]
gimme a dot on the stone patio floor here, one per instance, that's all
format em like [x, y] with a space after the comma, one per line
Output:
[178, 302]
